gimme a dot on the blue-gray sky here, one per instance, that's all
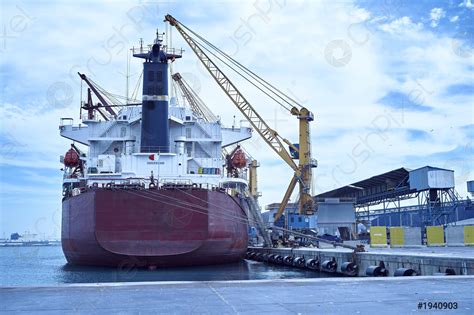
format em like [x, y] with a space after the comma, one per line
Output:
[390, 84]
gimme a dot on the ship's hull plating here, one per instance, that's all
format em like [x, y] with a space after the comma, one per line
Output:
[163, 228]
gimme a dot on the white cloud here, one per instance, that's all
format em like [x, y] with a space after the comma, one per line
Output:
[436, 14]
[402, 25]
[467, 4]
[33, 135]
[454, 19]
[360, 14]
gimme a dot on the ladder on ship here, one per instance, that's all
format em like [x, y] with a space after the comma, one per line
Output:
[253, 210]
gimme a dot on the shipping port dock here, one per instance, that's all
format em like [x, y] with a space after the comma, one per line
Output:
[298, 296]
[164, 184]
[194, 185]
[404, 222]
[374, 262]
[377, 235]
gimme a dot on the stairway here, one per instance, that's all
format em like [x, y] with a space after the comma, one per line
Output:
[255, 219]
[112, 124]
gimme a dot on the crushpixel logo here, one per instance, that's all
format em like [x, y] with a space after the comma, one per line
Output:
[338, 53]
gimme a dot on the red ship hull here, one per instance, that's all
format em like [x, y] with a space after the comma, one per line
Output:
[162, 228]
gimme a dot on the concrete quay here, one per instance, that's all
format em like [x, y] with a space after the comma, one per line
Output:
[425, 261]
[404, 295]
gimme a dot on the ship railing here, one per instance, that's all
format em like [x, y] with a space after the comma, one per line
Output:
[167, 183]
[174, 184]
[141, 50]
[114, 182]
[244, 123]
[173, 51]
[147, 48]
[146, 183]
[85, 117]
[72, 176]
[66, 121]
[155, 149]
[177, 181]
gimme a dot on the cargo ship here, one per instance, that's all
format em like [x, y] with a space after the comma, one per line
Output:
[154, 188]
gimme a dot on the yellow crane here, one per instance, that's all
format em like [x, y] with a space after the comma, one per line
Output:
[200, 108]
[302, 152]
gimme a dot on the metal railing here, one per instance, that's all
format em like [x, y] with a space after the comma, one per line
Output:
[66, 121]
[155, 149]
[147, 48]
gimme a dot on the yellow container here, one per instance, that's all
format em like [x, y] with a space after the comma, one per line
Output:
[435, 235]
[378, 236]
[397, 236]
[469, 235]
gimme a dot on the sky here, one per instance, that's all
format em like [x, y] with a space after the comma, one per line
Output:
[390, 84]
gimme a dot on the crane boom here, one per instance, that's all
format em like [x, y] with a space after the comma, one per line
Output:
[271, 137]
[97, 93]
[193, 99]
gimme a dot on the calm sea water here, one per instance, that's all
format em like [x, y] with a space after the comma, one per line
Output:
[46, 265]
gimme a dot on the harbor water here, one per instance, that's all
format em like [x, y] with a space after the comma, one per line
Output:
[46, 265]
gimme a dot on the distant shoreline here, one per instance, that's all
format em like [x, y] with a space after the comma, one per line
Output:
[29, 244]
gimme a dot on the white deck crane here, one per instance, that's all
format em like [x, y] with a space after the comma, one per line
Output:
[197, 105]
[301, 151]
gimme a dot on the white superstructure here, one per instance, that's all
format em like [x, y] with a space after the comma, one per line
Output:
[195, 155]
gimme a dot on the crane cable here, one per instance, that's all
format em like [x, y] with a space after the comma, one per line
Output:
[195, 208]
[243, 76]
[107, 95]
[208, 114]
[285, 98]
[104, 92]
[137, 86]
[192, 207]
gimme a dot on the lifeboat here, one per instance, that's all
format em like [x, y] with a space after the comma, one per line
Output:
[239, 160]
[71, 158]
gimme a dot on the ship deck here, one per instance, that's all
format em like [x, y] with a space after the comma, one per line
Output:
[325, 296]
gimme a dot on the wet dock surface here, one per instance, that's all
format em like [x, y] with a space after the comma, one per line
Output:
[306, 296]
